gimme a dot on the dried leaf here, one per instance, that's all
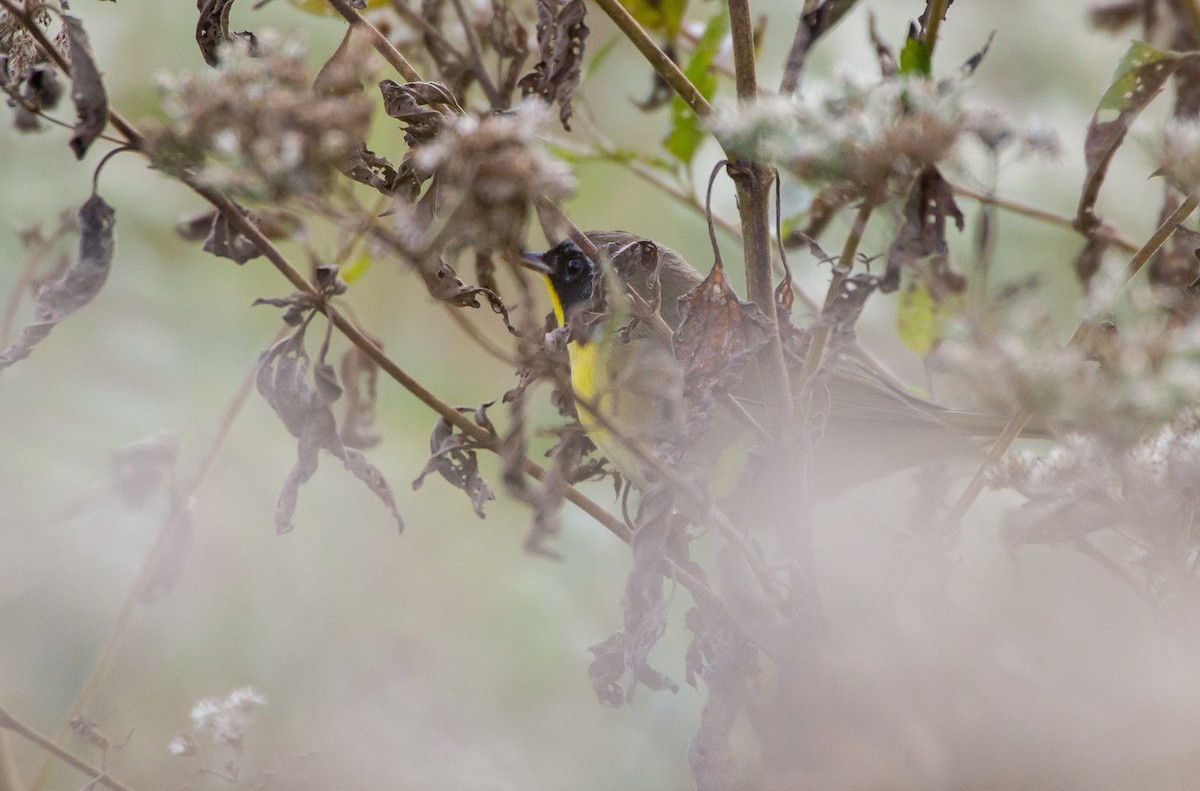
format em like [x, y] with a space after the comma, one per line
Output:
[306, 413]
[212, 30]
[561, 33]
[814, 23]
[510, 40]
[453, 456]
[225, 241]
[1091, 255]
[1142, 73]
[924, 231]
[445, 285]
[87, 90]
[366, 167]
[718, 335]
[883, 53]
[646, 605]
[415, 104]
[77, 286]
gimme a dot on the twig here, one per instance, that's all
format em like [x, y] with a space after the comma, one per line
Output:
[1027, 210]
[935, 10]
[378, 40]
[10, 723]
[659, 60]
[1015, 425]
[497, 101]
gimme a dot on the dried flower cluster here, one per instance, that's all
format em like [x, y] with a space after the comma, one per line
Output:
[26, 72]
[1146, 494]
[490, 171]
[222, 722]
[866, 135]
[1136, 371]
[254, 126]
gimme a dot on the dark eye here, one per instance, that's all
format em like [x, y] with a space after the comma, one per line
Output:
[575, 268]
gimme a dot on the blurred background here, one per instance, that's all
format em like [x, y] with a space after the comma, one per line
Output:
[447, 657]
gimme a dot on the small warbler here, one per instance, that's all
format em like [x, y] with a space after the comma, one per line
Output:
[873, 427]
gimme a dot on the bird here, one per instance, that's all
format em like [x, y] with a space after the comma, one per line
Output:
[629, 387]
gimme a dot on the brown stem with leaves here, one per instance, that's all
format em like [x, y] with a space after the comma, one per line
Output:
[10, 723]
[1017, 423]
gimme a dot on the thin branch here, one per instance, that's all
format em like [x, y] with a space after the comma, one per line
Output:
[378, 40]
[11, 723]
[934, 10]
[741, 29]
[497, 101]
[1017, 423]
[1033, 212]
[659, 60]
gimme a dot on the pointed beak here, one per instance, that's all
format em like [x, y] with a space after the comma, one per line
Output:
[534, 262]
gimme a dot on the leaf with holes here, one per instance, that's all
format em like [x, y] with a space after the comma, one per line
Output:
[1140, 77]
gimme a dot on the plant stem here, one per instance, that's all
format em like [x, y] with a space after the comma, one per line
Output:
[935, 10]
[497, 101]
[378, 40]
[659, 60]
[10, 723]
[1033, 212]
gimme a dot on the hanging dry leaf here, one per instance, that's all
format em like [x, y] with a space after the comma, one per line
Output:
[305, 410]
[923, 234]
[453, 456]
[718, 335]
[87, 90]
[78, 285]
[1140, 77]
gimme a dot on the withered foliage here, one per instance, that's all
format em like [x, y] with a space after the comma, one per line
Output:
[78, 285]
[305, 409]
[212, 30]
[87, 91]
[561, 34]
[923, 236]
[454, 455]
[718, 336]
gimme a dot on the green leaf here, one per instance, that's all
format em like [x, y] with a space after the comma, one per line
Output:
[915, 57]
[658, 16]
[686, 133]
[1128, 90]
